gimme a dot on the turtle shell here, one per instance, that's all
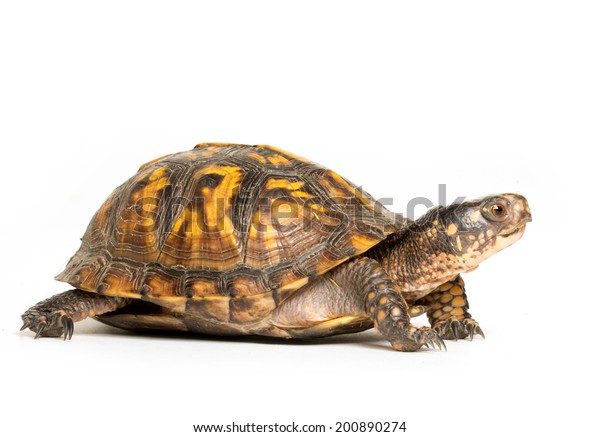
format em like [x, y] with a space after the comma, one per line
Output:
[225, 231]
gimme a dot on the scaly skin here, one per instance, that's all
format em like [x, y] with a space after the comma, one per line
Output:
[386, 306]
[448, 241]
[447, 311]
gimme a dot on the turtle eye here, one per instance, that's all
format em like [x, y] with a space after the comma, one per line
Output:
[498, 211]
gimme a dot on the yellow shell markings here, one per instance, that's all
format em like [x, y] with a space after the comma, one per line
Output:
[274, 183]
[344, 188]
[287, 212]
[211, 307]
[224, 192]
[257, 157]
[135, 227]
[335, 185]
[284, 153]
[356, 192]
[203, 230]
[278, 233]
[321, 325]
[279, 160]
[268, 242]
[362, 242]
[294, 285]
[203, 145]
[302, 194]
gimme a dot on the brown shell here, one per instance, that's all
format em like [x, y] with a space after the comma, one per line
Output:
[225, 231]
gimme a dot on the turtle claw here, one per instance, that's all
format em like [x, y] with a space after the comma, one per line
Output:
[456, 329]
[41, 328]
[68, 327]
[48, 323]
[429, 343]
[429, 338]
[440, 343]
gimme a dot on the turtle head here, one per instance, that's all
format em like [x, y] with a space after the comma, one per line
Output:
[453, 239]
[474, 230]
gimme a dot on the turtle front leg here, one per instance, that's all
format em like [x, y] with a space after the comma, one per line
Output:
[386, 306]
[55, 316]
[448, 313]
[344, 299]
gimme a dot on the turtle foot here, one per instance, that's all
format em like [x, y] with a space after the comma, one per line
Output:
[48, 323]
[455, 329]
[418, 337]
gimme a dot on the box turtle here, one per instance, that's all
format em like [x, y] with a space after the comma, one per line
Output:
[230, 239]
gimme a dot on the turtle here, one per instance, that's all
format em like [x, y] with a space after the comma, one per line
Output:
[233, 239]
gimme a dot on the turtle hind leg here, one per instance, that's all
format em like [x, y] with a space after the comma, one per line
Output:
[55, 316]
[448, 311]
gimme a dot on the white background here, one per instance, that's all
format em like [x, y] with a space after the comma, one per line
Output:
[398, 96]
